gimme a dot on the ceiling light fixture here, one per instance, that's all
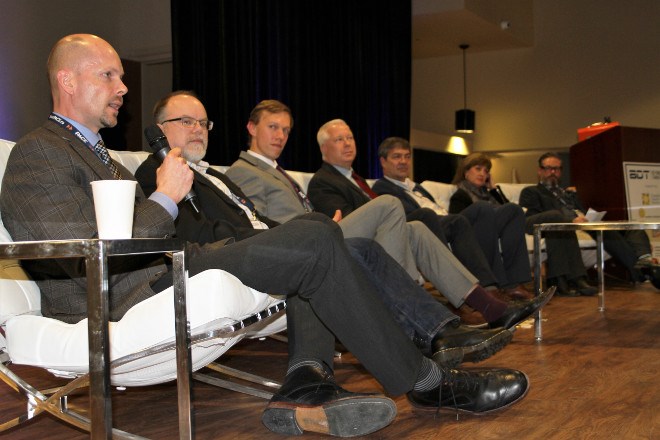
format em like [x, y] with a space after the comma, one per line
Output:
[465, 118]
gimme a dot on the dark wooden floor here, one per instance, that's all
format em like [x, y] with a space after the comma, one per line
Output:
[594, 376]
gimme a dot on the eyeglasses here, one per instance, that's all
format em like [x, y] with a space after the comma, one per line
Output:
[555, 169]
[191, 122]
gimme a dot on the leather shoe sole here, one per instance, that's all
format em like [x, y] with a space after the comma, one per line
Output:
[346, 417]
[487, 348]
[454, 356]
[311, 400]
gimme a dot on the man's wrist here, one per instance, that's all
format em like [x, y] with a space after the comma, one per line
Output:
[166, 202]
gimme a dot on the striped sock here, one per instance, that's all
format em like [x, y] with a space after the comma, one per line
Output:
[302, 362]
[429, 377]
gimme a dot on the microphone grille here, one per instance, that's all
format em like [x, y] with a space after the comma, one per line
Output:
[153, 133]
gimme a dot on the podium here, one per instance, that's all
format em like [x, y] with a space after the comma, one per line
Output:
[597, 166]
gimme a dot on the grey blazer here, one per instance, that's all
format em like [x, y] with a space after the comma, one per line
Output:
[46, 195]
[270, 191]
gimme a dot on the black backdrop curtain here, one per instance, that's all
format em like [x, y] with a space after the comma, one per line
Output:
[344, 59]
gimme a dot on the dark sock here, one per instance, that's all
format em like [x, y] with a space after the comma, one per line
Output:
[485, 303]
[429, 377]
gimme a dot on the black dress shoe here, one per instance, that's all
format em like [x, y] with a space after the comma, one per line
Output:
[310, 400]
[648, 269]
[474, 391]
[453, 345]
[563, 289]
[584, 288]
[516, 313]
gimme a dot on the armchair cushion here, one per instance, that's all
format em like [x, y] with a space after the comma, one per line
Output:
[18, 294]
[215, 298]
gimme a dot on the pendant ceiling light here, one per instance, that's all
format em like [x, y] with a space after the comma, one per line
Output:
[465, 118]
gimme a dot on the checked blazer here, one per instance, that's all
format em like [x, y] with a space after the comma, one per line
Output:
[46, 195]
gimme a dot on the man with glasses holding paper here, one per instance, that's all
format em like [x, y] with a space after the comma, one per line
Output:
[548, 202]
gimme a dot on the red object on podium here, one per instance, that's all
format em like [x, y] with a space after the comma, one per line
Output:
[594, 129]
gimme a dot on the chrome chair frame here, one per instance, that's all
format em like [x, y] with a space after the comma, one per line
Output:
[55, 401]
[96, 253]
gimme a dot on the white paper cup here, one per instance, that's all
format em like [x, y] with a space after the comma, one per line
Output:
[113, 203]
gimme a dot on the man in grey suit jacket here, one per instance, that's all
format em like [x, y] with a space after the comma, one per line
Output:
[46, 195]
[263, 181]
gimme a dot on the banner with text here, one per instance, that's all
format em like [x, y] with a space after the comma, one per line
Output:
[642, 190]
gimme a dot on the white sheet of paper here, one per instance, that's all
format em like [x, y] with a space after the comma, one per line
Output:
[595, 216]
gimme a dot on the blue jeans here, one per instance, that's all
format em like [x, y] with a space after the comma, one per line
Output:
[413, 308]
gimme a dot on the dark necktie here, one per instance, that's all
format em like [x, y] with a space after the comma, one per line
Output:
[364, 185]
[567, 205]
[420, 189]
[301, 195]
[561, 196]
[103, 154]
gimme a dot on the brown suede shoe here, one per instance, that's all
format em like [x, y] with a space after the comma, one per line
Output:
[468, 316]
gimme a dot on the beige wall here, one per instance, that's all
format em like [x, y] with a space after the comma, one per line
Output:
[590, 59]
[139, 30]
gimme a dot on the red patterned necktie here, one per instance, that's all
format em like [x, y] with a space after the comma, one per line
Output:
[364, 185]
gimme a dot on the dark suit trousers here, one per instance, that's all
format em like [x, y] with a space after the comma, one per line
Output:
[328, 293]
[626, 247]
[500, 232]
[510, 225]
[456, 232]
[562, 247]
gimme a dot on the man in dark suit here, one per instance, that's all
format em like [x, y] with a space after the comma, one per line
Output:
[547, 202]
[226, 212]
[510, 266]
[46, 195]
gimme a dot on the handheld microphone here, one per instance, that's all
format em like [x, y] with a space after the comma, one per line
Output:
[160, 147]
